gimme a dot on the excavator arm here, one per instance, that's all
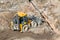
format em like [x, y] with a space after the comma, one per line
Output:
[41, 14]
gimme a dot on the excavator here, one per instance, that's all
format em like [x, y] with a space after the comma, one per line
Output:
[21, 22]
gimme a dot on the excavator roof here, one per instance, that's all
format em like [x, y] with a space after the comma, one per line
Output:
[21, 14]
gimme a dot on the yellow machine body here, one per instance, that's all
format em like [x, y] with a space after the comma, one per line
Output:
[21, 14]
[22, 21]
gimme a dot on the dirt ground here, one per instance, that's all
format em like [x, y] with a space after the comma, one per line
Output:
[9, 7]
[15, 35]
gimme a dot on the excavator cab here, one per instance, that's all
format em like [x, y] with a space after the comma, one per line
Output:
[20, 22]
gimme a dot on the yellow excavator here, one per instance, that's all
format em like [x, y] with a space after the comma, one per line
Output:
[21, 22]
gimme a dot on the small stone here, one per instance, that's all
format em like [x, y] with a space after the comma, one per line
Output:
[2, 1]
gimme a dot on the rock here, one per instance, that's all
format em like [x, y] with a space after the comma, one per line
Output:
[1, 2]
